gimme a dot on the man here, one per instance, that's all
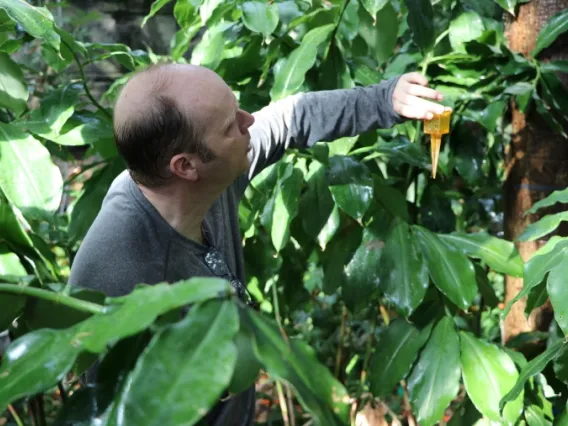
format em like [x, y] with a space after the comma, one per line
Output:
[190, 152]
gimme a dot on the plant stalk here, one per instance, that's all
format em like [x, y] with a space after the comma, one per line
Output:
[72, 302]
[283, 406]
[290, 405]
[367, 358]
[82, 72]
[277, 311]
[15, 415]
[341, 341]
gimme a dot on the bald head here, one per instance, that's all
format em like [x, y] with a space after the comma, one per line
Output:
[163, 111]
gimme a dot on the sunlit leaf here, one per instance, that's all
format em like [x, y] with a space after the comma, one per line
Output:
[558, 196]
[13, 88]
[434, 380]
[466, 27]
[260, 17]
[558, 291]
[155, 8]
[555, 26]
[543, 226]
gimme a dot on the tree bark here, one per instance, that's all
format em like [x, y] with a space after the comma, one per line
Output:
[536, 160]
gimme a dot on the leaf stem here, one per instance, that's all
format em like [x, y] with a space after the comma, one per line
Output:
[72, 302]
[283, 405]
[15, 415]
[83, 79]
[338, 356]
[367, 358]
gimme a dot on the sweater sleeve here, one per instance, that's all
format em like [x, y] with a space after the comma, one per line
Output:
[301, 120]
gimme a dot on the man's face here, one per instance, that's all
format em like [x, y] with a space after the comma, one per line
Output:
[226, 130]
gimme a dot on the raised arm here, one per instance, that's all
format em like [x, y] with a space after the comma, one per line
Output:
[301, 120]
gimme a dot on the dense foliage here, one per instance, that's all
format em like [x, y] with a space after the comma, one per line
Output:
[385, 285]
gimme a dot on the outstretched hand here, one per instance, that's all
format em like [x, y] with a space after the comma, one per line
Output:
[408, 98]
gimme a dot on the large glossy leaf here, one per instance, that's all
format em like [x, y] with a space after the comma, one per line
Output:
[290, 76]
[89, 203]
[373, 6]
[338, 253]
[554, 66]
[316, 200]
[247, 367]
[351, 185]
[295, 362]
[451, 270]
[128, 315]
[12, 228]
[500, 255]
[35, 362]
[421, 23]
[397, 349]
[488, 374]
[555, 26]
[543, 227]
[36, 21]
[380, 31]
[532, 368]
[362, 274]
[13, 88]
[559, 196]
[466, 27]
[208, 8]
[29, 179]
[202, 350]
[434, 380]
[403, 272]
[285, 206]
[557, 289]
[260, 17]
[546, 258]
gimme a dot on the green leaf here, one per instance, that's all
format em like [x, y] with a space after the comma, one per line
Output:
[373, 6]
[337, 255]
[36, 21]
[519, 88]
[13, 88]
[535, 417]
[35, 362]
[546, 258]
[500, 255]
[90, 201]
[351, 185]
[543, 226]
[247, 367]
[83, 129]
[202, 349]
[285, 206]
[29, 179]
[532, 368]
[421, 23]
[451, 270]
[295, 362]
[10, 305]
[209, 51]
[488, 374]
[397, 349]
[403, 272]
[554, 66]
[316, 200]
[335, 74]
[290, 76]
[208, 8]
[380, 32]
[466, 27]
[508, 5]
[156, 6]
[558, 196]
[558, 291]
[260, 17]
[362, 274]
[435, 378]
[128, 315]
[545, 111]
[555, 26]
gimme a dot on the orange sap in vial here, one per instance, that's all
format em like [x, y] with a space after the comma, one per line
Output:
[436, 127]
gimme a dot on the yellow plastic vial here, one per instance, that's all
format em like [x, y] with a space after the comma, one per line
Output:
[436, 127]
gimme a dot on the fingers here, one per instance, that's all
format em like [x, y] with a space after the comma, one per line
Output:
[417, 108]
[424, 92]
[415, 78]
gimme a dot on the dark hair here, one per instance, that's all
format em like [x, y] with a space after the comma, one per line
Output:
[150, 139]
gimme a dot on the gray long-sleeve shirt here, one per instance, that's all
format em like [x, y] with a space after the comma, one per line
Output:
[130, 243]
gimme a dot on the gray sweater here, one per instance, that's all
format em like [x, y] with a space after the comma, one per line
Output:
[130, 243]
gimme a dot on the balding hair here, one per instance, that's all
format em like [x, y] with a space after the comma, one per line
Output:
[150, 127]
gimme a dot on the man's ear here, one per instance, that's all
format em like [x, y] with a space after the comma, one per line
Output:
[185, 166]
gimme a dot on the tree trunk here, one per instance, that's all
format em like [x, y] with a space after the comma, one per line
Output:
[536, 160]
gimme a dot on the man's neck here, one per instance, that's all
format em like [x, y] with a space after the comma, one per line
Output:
[182, 208]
